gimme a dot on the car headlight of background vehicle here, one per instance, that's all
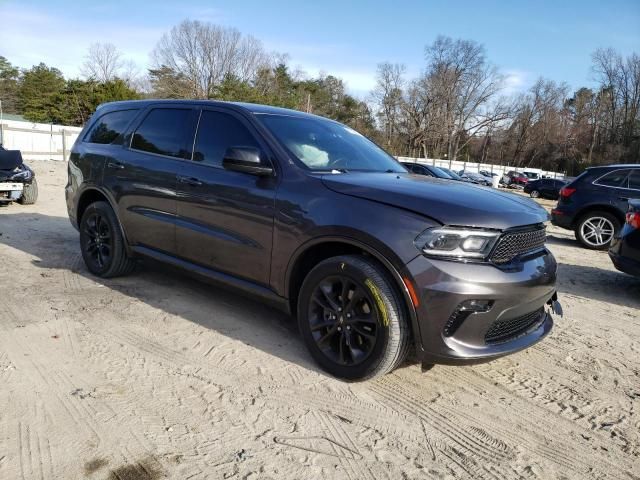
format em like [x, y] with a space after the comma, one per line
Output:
[457, 243]
[21, 174]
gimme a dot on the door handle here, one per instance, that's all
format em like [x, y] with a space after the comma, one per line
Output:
[189, 180]
[117, 165]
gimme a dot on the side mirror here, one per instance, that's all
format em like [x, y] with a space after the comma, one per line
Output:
[246, 160]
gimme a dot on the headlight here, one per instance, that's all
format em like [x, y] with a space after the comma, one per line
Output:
[461, 243]
[24, 174]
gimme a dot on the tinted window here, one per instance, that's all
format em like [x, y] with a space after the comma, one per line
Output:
[614, 179]
[217, 132]
[634, 180]
[109, 128]
[162, 132]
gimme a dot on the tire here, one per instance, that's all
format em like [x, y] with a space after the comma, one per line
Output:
[102, 244]
[358, 335]
[534, 194]
[30, 193]
[591, 223]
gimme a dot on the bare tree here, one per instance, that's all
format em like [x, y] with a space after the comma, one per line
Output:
[464, 85]
[387, 95]
[205, 54]
[102, 62]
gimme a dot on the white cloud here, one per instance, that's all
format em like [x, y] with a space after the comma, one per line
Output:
[516, 81]
[358, 82]
[29, 36]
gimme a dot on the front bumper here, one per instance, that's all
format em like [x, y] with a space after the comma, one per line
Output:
[561, 217]
[519, 292]
[10, 190]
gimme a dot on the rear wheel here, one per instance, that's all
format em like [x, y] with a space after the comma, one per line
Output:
[351, 318]
[534, 194]
[596, 229]
[102, 244]
[29, 193]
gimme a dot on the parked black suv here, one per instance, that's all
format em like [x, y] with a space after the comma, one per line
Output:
[544, 188]
[309, 215]
[595, 203]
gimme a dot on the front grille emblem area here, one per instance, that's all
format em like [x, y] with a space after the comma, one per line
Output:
[514, 244]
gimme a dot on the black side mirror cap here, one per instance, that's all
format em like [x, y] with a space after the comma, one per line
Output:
[247, 160]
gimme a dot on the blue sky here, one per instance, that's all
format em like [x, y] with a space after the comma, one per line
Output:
[525, 40]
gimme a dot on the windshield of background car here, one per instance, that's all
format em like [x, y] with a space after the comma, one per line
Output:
[325, 145]
[441, 173]
[452, 174]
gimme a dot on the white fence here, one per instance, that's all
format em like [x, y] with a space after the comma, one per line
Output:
[38, 141]
[457, 165]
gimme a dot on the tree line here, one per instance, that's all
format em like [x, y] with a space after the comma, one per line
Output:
[456, 109]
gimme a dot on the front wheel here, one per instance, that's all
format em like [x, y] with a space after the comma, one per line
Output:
[352, 319]
[102, 243]
[596, 229]
[29, 193]
[535, 194]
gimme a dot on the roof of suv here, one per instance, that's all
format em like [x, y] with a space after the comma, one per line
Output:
[251, 107]
[617, 165]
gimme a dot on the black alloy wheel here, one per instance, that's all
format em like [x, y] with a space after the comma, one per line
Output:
[352, 318]
[343, 321]
[102, 242]
[98, 245]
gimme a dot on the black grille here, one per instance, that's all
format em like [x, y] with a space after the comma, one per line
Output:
[512, 244]
[504, 330]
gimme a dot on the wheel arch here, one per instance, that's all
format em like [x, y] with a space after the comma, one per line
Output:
[316, 250]
[598, 207]
[96, 194]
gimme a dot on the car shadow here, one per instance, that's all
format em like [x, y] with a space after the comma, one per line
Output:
[53, 244]
[596, 283]
[559, 240]
[600, 284]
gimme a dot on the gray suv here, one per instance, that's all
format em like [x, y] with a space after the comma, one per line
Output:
[308, 215]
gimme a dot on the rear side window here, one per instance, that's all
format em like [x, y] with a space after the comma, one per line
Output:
[218, 131]
[162, 132]
[616, 178]
[634, 180]
[109, 128]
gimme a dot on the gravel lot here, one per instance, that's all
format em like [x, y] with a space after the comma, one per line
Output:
[159, 376]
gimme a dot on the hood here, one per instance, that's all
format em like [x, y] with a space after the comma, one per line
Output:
[10, 159]
[21, 173]
[447, 201]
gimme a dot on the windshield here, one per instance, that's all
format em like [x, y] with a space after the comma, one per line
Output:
[325, 145]
[438, 172]
[451, 173]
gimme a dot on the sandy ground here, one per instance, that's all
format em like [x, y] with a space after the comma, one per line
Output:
[159, 376]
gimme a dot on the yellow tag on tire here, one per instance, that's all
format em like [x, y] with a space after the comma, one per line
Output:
[379, 302]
